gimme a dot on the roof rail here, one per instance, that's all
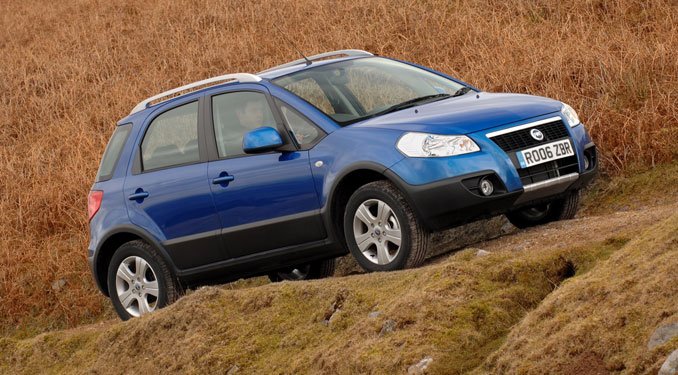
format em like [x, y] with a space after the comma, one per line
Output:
[347, 52]
[238, 77]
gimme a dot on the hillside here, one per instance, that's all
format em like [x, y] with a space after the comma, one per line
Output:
[580, 296]
[71, 69]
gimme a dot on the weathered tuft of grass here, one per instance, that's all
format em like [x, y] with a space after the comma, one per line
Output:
[71, 69]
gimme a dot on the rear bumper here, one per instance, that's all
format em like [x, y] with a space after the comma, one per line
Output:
[448, 203]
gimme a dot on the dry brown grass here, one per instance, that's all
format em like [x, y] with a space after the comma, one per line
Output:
[69, 70]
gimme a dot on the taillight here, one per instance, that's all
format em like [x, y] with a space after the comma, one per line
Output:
[94, 202]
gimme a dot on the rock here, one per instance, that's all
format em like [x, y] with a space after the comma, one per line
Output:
[482, 253]
[335, 309]
[420, 368]
[334, 316]
[233, 370]
[507, 228]
[374, 314]
[388, 327]
[58, 284]
[662, 335]
[670, 366]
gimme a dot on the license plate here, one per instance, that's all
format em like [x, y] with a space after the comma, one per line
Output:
[544, 153]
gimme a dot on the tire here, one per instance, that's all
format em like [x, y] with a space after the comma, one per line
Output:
[309, 271]
[378, 232]
[559, 209]
[136, 293]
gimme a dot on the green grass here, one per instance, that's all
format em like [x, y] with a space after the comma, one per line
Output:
[655, 186]
[603, 318]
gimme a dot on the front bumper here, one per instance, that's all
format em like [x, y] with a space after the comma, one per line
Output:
[438, 188]
[448, 203]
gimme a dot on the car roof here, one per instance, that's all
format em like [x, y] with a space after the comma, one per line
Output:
[236, 78]
[277, 73]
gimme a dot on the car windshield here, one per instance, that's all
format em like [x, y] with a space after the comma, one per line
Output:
[354, 90]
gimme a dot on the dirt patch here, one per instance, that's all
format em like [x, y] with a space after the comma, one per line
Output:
[585, 364]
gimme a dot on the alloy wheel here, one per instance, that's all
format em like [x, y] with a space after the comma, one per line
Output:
[377, 231]
[137, 286]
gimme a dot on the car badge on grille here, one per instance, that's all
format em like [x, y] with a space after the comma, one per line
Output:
[537, 134]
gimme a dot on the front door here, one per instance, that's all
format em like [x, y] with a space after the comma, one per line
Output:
[265, 201]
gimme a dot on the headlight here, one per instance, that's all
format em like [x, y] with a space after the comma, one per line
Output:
[421, 145]
[570, 115]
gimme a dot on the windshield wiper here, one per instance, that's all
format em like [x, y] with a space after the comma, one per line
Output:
[410, 103]
[461, 91]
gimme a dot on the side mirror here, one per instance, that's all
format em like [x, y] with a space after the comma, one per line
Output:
[261, 140]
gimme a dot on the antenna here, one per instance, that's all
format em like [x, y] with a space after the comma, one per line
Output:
[308, 62]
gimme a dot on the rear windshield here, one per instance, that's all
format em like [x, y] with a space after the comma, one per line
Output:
[112, 153]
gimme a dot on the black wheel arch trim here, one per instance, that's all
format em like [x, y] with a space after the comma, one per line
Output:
[326, 210]
[133, 230]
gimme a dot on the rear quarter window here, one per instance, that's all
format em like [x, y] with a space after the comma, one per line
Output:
[172, 139]
[112, 153]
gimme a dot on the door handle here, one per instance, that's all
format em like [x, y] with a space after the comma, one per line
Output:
[138, 195]
[223, 179]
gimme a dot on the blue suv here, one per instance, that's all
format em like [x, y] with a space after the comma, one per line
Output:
[280, 172]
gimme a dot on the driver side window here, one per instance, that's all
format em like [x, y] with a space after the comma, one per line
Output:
[235, 114]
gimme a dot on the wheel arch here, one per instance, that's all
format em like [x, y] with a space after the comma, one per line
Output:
[111, 242]
[347, 183]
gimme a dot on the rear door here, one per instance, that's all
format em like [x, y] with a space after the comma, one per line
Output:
[168, 192]
[270, 201]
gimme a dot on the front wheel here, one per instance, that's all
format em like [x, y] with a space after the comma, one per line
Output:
[559, 209]
[139, 281]
[309, 271]
[381, 229]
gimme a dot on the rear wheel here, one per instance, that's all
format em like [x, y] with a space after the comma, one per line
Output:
[559, 209]
[139, 281]
[381, 229]
[314, 270]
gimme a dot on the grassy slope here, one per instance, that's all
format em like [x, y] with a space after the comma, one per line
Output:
[602, 321]
[458, 311]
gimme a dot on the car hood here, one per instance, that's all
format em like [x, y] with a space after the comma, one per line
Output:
[465, 114]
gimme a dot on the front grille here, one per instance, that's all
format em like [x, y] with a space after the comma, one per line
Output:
[521, 138]
[548, 170]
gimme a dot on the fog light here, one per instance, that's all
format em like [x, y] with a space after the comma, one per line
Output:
[587, 162]
[486, 187]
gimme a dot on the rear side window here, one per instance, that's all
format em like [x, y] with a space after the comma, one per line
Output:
[112, 153]
[172, 139]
